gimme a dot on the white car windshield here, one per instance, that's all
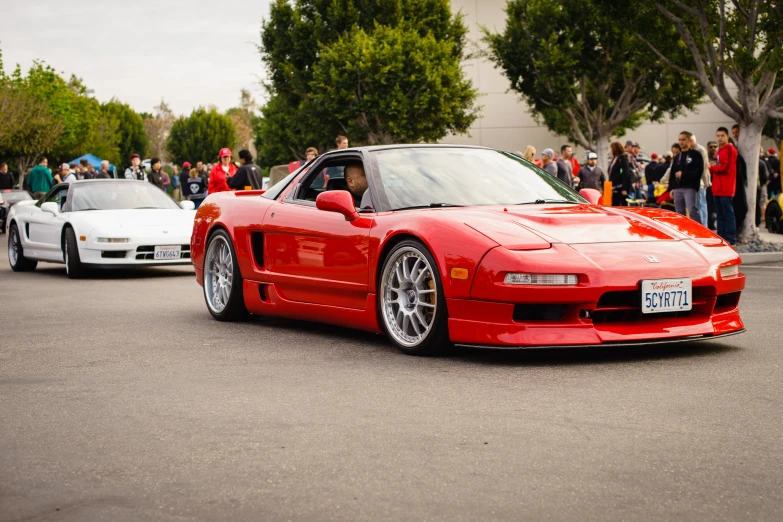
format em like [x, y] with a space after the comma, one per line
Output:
[119, 195]
[452, 176]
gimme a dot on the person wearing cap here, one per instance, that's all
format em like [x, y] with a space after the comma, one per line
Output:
[66, 175]
[591, 175]
[547, 161]
[135, 171]
[221, 172]
[183, 179]
[248, 175]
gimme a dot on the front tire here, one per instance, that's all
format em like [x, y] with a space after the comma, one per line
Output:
[16, 258]
[223, 284]
[73, 263]
[411, 302]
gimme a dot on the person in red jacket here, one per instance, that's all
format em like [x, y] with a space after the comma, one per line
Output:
[221, 172]
[724, 181]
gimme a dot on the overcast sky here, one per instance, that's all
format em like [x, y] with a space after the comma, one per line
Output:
[190, 53]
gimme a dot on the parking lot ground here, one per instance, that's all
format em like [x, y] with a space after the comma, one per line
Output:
[121, 399]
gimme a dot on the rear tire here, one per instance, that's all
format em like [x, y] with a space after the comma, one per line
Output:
[73, 263]
[16, 258]
[223, 283]
[411, 304]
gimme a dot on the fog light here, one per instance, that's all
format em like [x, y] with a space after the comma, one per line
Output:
[113, 240]
[729, 271]
[540, 279]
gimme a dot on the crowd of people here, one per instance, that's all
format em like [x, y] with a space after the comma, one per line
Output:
[708, 184]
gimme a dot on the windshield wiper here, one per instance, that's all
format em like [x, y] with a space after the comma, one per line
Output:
[431, 205]
[83, 209]
[544, 201]
[143, 208]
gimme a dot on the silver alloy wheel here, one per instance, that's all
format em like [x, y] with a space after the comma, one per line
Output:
[410, 297]
[13, 248]
[218, 274]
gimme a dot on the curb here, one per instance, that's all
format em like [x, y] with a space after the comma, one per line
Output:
[758, 258]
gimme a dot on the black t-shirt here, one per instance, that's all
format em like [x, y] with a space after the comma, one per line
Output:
[6, 181]
[195, 187]
[248, 175]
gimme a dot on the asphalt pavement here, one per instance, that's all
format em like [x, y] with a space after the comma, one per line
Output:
[122, 399]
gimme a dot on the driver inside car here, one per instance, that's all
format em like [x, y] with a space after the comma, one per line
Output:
[356, 180]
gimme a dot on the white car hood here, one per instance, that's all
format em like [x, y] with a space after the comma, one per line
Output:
[142, 218]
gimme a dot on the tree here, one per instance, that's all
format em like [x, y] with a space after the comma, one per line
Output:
[592, 78]
[294, 37]
[392, 86]
[741, 44]
[131, 135]
[200, 136]
[158, 128]
[245, 119]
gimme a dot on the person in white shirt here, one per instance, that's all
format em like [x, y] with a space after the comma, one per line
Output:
[66, 174]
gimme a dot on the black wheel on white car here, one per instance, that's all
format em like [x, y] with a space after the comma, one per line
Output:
[16, 258]
[73, 263]
[411, 302]
[223, 290]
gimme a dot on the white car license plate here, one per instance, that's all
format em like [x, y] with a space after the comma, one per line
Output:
[167, 252]
[666, 295]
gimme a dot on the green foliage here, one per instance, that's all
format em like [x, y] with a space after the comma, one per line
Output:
[583, 72]
[200, 136]
[47, 115]
[392, 86]
[131, 136]
[299, 32]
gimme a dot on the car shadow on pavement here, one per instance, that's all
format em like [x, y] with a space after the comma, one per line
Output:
[522, 357]
[58, 271]
[596, 354]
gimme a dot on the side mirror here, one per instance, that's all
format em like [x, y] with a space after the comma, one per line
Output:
[187, 205]
[339, 201]
[51, 207]
[593, 196]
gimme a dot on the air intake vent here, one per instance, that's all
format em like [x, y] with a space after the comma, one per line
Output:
[257, 242]
[539, 312]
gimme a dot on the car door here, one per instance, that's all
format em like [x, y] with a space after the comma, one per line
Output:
[315, 256]
[45, 229]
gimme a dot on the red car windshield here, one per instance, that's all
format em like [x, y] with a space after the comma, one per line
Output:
[446, 176]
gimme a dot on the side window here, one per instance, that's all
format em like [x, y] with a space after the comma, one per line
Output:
[328, 178]
[58, 196]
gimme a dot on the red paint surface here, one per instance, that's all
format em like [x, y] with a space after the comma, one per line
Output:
[318, 266]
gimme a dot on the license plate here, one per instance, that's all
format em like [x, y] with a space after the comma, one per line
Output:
[666, 295]
[167, 252]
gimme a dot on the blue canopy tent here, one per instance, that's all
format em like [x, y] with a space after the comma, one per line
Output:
[95, 161]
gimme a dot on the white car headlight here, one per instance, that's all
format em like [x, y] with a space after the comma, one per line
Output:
[540, 279]
[729, 271]
[113, 240]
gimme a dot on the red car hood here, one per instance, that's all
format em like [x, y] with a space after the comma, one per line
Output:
[524, 227]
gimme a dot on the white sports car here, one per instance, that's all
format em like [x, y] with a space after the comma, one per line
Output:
[100, 224]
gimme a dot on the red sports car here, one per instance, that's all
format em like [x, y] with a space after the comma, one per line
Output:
[440, 245]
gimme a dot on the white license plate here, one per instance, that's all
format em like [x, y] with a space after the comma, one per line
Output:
[666, 295]
[167, 252]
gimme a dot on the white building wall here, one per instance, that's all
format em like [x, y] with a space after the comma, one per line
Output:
[505, 123]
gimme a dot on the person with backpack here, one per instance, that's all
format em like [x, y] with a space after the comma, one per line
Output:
[248, 175]
[195, 188]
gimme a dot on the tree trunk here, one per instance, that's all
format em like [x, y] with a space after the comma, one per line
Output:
[602, 150]
[749, 143]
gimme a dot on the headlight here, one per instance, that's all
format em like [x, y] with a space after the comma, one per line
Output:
[113, 240]
[729, 271]
[540, 279]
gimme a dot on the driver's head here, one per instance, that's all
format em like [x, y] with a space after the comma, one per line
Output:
[356, 179]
